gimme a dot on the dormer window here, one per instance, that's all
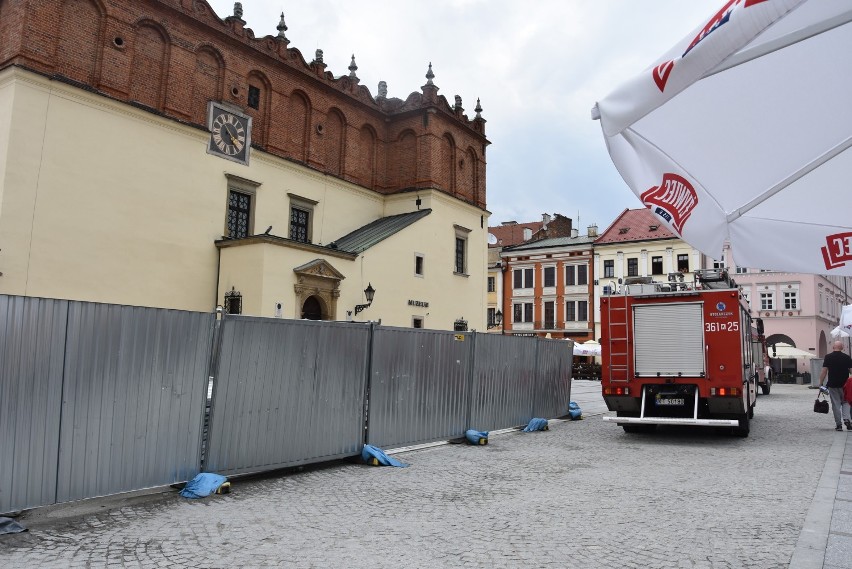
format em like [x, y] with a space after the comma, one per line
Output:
[653, 227]
[623, 230]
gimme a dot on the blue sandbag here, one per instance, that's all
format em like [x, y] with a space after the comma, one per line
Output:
[377, 457]
[536, 425]
[203, 485]
[475, 437]
[574, 411]
[8, 525]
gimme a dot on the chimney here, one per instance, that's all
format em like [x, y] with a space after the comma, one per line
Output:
[527, 233]
[545, 219]
[592, 231]
[575, 233]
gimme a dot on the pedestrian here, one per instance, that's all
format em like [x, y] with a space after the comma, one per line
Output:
[838, 366]
[847, 401]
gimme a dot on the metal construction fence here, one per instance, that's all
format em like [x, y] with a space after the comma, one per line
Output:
[99, 399]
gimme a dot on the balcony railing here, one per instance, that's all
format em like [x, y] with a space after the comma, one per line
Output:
[550, 325]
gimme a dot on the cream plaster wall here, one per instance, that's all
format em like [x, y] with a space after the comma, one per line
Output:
[263, 274]
[341, 207]
[450, 296]
[6, 100]
[20, 154]
[104, 202]
[105, 205]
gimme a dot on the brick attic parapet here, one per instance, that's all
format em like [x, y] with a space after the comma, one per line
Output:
[172, 56]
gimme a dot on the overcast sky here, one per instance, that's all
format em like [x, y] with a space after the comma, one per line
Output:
[538, 67]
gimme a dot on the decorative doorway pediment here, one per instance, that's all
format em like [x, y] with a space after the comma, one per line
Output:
[320, 280]
[319, 268]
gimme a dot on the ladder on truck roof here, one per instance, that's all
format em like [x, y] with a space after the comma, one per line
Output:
[618, 362]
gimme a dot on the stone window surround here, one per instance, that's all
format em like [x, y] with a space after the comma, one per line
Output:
[462, 233]
[305, 204]
[244, 186]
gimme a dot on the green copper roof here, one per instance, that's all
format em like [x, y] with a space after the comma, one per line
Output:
[365, 237]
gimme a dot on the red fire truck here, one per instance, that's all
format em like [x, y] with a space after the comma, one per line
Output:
[681, 353]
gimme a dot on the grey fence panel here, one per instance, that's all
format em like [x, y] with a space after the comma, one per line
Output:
[504, 382]
[287, 392]
[816, 369]
[553, 384]
[133, 400]
[32, 348]
[419, 387]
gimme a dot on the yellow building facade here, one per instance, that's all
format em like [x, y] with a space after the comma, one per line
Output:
[104, 201]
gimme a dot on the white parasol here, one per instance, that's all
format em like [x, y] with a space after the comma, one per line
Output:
[786, 351]
[590, 348]
[844, 329]
[742, 132]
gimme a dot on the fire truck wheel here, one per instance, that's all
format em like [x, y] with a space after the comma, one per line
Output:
[744, 426]
[765, 387]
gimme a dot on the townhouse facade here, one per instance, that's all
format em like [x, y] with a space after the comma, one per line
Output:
[548, 287]
[637, 245]
[509, 234]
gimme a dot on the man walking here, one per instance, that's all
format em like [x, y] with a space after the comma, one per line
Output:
[838, 366]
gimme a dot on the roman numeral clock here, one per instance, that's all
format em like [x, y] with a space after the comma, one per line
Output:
[230, 132]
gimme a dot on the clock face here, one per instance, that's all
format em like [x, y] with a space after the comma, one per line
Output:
[229, 134]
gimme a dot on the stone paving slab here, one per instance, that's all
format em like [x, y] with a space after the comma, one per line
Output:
[838, 551]
[584, 494]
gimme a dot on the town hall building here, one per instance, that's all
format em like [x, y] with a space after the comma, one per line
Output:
[153, 154]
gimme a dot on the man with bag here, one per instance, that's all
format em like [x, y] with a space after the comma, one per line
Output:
[838, 366]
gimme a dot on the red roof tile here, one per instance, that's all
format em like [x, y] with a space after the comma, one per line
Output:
[635, 225]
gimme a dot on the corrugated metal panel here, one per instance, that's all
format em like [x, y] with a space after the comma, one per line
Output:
[669, 339]
[419, 386]
[816, 369]
[32, 348]
[133, 400]
[504, 384]
[287, 392]
[553, 385]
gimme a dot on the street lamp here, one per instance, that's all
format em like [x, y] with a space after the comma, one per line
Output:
[369, 292]
[498, 320]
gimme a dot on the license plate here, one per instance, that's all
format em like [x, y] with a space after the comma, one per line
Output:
[672, 401]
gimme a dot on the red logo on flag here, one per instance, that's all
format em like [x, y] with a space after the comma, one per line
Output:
[721, 18]
[838, 250]
[673, 200]
[662, 71]
[661, 74]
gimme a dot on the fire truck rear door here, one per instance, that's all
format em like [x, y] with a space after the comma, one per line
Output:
[669, 339]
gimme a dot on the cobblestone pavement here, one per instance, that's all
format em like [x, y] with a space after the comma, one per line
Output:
[584, 494]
